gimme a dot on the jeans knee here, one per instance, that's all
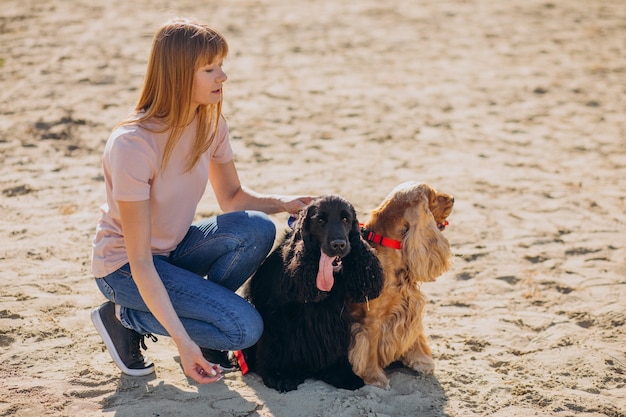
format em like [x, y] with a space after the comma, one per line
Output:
[262, 222]
[247, 333]
[264, 230]
[254, 331]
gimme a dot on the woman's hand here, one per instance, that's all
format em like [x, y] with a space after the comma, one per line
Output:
[196, 367]
[293, 204]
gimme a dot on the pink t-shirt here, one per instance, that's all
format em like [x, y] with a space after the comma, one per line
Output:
[131, 164]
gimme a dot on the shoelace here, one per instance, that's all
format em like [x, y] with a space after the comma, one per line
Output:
[149, 336]
[139, 340]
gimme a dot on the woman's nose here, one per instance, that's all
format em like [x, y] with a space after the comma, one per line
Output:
[223, 76]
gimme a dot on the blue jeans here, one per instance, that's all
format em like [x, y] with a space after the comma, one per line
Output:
[201, 276]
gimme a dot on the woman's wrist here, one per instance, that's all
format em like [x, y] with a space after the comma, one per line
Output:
[181, 340]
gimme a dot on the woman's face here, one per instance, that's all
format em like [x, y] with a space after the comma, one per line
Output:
[207, 84]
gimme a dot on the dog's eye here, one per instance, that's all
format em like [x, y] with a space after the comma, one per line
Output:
[320, 221]
[345, 220]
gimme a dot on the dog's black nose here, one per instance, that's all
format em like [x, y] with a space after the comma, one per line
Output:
[338, 244]
[452, 199]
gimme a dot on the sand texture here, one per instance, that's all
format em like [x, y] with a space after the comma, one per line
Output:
[517, 108]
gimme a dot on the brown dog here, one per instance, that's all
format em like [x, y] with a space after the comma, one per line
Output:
[406, 232]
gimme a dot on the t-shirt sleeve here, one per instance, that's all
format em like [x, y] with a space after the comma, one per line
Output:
[222, 149]
[132, 167]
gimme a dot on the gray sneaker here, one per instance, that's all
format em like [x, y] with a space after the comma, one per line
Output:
[122, 343]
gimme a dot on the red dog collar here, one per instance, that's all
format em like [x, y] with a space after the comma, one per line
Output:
[381, 240]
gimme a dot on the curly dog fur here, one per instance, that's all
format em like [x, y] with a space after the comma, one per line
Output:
[307, 329]
[390, 328]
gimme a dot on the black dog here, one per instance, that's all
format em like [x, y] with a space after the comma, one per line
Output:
[302, 290]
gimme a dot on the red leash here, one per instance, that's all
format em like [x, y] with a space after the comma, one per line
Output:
[241, 361]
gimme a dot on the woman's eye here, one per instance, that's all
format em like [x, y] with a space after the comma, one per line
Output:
[212, 67]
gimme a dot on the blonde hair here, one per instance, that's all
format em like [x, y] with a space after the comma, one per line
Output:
[179, 48]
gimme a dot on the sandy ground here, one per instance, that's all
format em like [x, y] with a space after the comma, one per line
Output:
[518, 108]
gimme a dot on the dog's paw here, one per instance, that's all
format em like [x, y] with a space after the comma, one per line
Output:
[346, 381]
[377, 377]
[281, 384]
[380, 383]
[423, 364]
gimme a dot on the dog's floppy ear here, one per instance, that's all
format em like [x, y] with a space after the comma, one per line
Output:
[301, 255]
[362, 271]
[426, 249]
[302, 225]
[300, 239]
[355, 230]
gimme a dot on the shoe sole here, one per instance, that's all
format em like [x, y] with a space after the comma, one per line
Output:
[99, 325]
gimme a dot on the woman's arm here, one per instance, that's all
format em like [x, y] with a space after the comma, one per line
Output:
[232, 196]
[135, 218]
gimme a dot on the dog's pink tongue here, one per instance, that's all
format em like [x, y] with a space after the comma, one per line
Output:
[325, 279]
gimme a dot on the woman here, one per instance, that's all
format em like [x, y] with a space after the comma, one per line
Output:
[162, 274]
